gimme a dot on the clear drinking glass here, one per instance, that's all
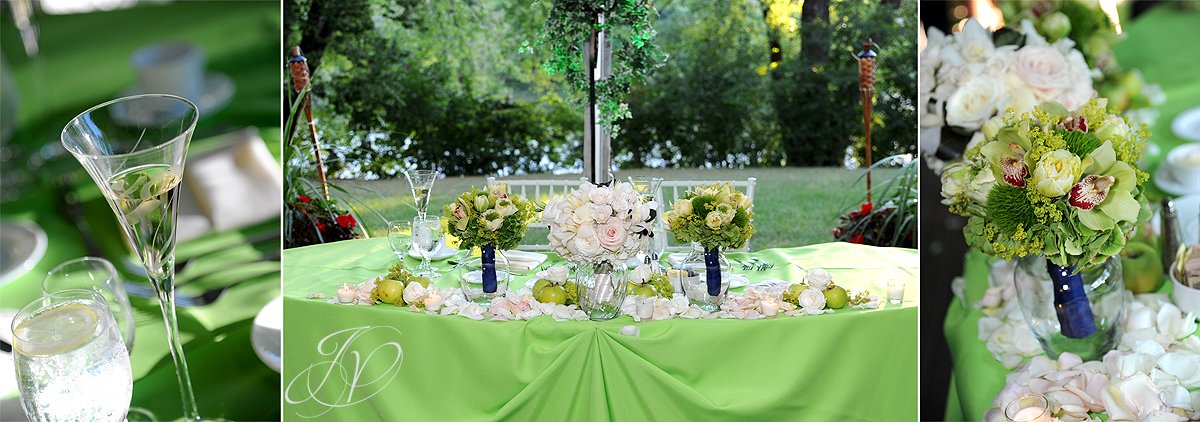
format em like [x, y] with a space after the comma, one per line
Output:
[421, 183]
[426, 239]
[134, 149]
[71, 364]
[97, 275]
[400, 237]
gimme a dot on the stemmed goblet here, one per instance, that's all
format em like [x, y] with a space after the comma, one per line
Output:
[134, 149]
[426, 236]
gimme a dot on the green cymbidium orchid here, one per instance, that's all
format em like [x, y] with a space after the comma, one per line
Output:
[1006, 154]
[1104, 196]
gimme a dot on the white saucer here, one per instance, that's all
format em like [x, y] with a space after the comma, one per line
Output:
[218, 90]
[22, 245]
[1187, 124]
[442, 253]
[1168, 184]
[268, 325]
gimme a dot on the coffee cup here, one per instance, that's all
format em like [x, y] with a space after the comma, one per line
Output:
[175, 68]
[1184, 164]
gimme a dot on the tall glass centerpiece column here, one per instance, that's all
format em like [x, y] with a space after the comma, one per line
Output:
[134, 149]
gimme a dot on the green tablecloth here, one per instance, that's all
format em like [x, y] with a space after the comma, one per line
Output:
[1150, 45]
[849, 365]
[85, 61]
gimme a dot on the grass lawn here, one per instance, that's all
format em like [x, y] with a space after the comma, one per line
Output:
[793, 206]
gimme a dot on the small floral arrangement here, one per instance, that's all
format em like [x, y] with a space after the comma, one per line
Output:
[1053, 182]
[553, 286]
[644, 281]
[817, 292]
[315, 220]
[596, 223]
[715, 216]
[971, 76]
[391, 287]
[489, 217]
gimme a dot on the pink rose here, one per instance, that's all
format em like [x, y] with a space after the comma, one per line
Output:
[612, 235]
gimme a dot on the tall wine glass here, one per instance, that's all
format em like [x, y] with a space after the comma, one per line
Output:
[70, 362]
[399, 237]
[426, 232]
[134, 149]
[421, 183]
[98, 275]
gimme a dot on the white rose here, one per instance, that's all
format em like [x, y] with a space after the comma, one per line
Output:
[974, 103]
[818, 278]
[1021, 99]
[600, 196]
[683, 207]
[727, 217]
[586, 243]
[612, 235]
[552, 210]
[1056, 173]
[954, 180]
[812, 300]
[414, 292]
[641, 274]
[1053, 75]
[556, 274]
[1113, 129]
[482, 203]
[601, 213]
[713, 220]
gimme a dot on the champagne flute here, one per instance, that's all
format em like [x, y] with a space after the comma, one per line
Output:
[70, 362]
[426, 232]
[647, 187]
[421, 183]
[98, 275]
[134, 149]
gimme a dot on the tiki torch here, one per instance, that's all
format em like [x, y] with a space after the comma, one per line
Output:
[300, 78]
[866, 87]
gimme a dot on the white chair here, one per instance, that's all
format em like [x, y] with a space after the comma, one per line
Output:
[542, 191]
[671, 190]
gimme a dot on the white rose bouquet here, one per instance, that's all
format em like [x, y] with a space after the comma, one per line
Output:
[595, 224]
[971, 76]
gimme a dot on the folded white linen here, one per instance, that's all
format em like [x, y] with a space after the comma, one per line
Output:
[519, 260]
[237, 185]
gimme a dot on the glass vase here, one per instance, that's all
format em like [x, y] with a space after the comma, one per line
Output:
[601, 289]
[708, 276]
[1069, 311]
[481, 281]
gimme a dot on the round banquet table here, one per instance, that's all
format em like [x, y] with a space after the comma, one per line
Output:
[1149, 44]
[84, 62]
[353, 362]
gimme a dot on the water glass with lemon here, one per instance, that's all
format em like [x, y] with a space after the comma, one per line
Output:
[71, 363]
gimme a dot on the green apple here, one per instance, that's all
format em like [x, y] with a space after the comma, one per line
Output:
[1141, 265]
[539, 285]
[390, 291]
[645, 290]
[424, 281]
[792, 294]
[836, 298]
[552, 294]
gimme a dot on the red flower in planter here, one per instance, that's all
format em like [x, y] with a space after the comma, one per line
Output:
[305, 199]
[865, 209]
[858, 238]
[346, 220]
[320, 227]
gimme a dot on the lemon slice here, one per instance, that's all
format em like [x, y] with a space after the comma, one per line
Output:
[55, 331]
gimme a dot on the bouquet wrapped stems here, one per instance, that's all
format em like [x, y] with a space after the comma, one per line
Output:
[488, 254]
[1070, 302]
[712, 264]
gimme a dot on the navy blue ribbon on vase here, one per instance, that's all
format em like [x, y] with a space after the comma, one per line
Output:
[488, 254]
[1070, 301]
[712, 270]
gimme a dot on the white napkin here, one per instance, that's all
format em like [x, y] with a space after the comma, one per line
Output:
[520, 260]
[238, 185]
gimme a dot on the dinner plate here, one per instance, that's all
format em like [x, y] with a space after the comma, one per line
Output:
[1164, 180]
[1187, 124]
[22, 245]
[265, 336]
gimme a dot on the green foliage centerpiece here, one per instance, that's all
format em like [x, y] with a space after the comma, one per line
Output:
[1058, 183]
[715, 217]
[487, 219]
